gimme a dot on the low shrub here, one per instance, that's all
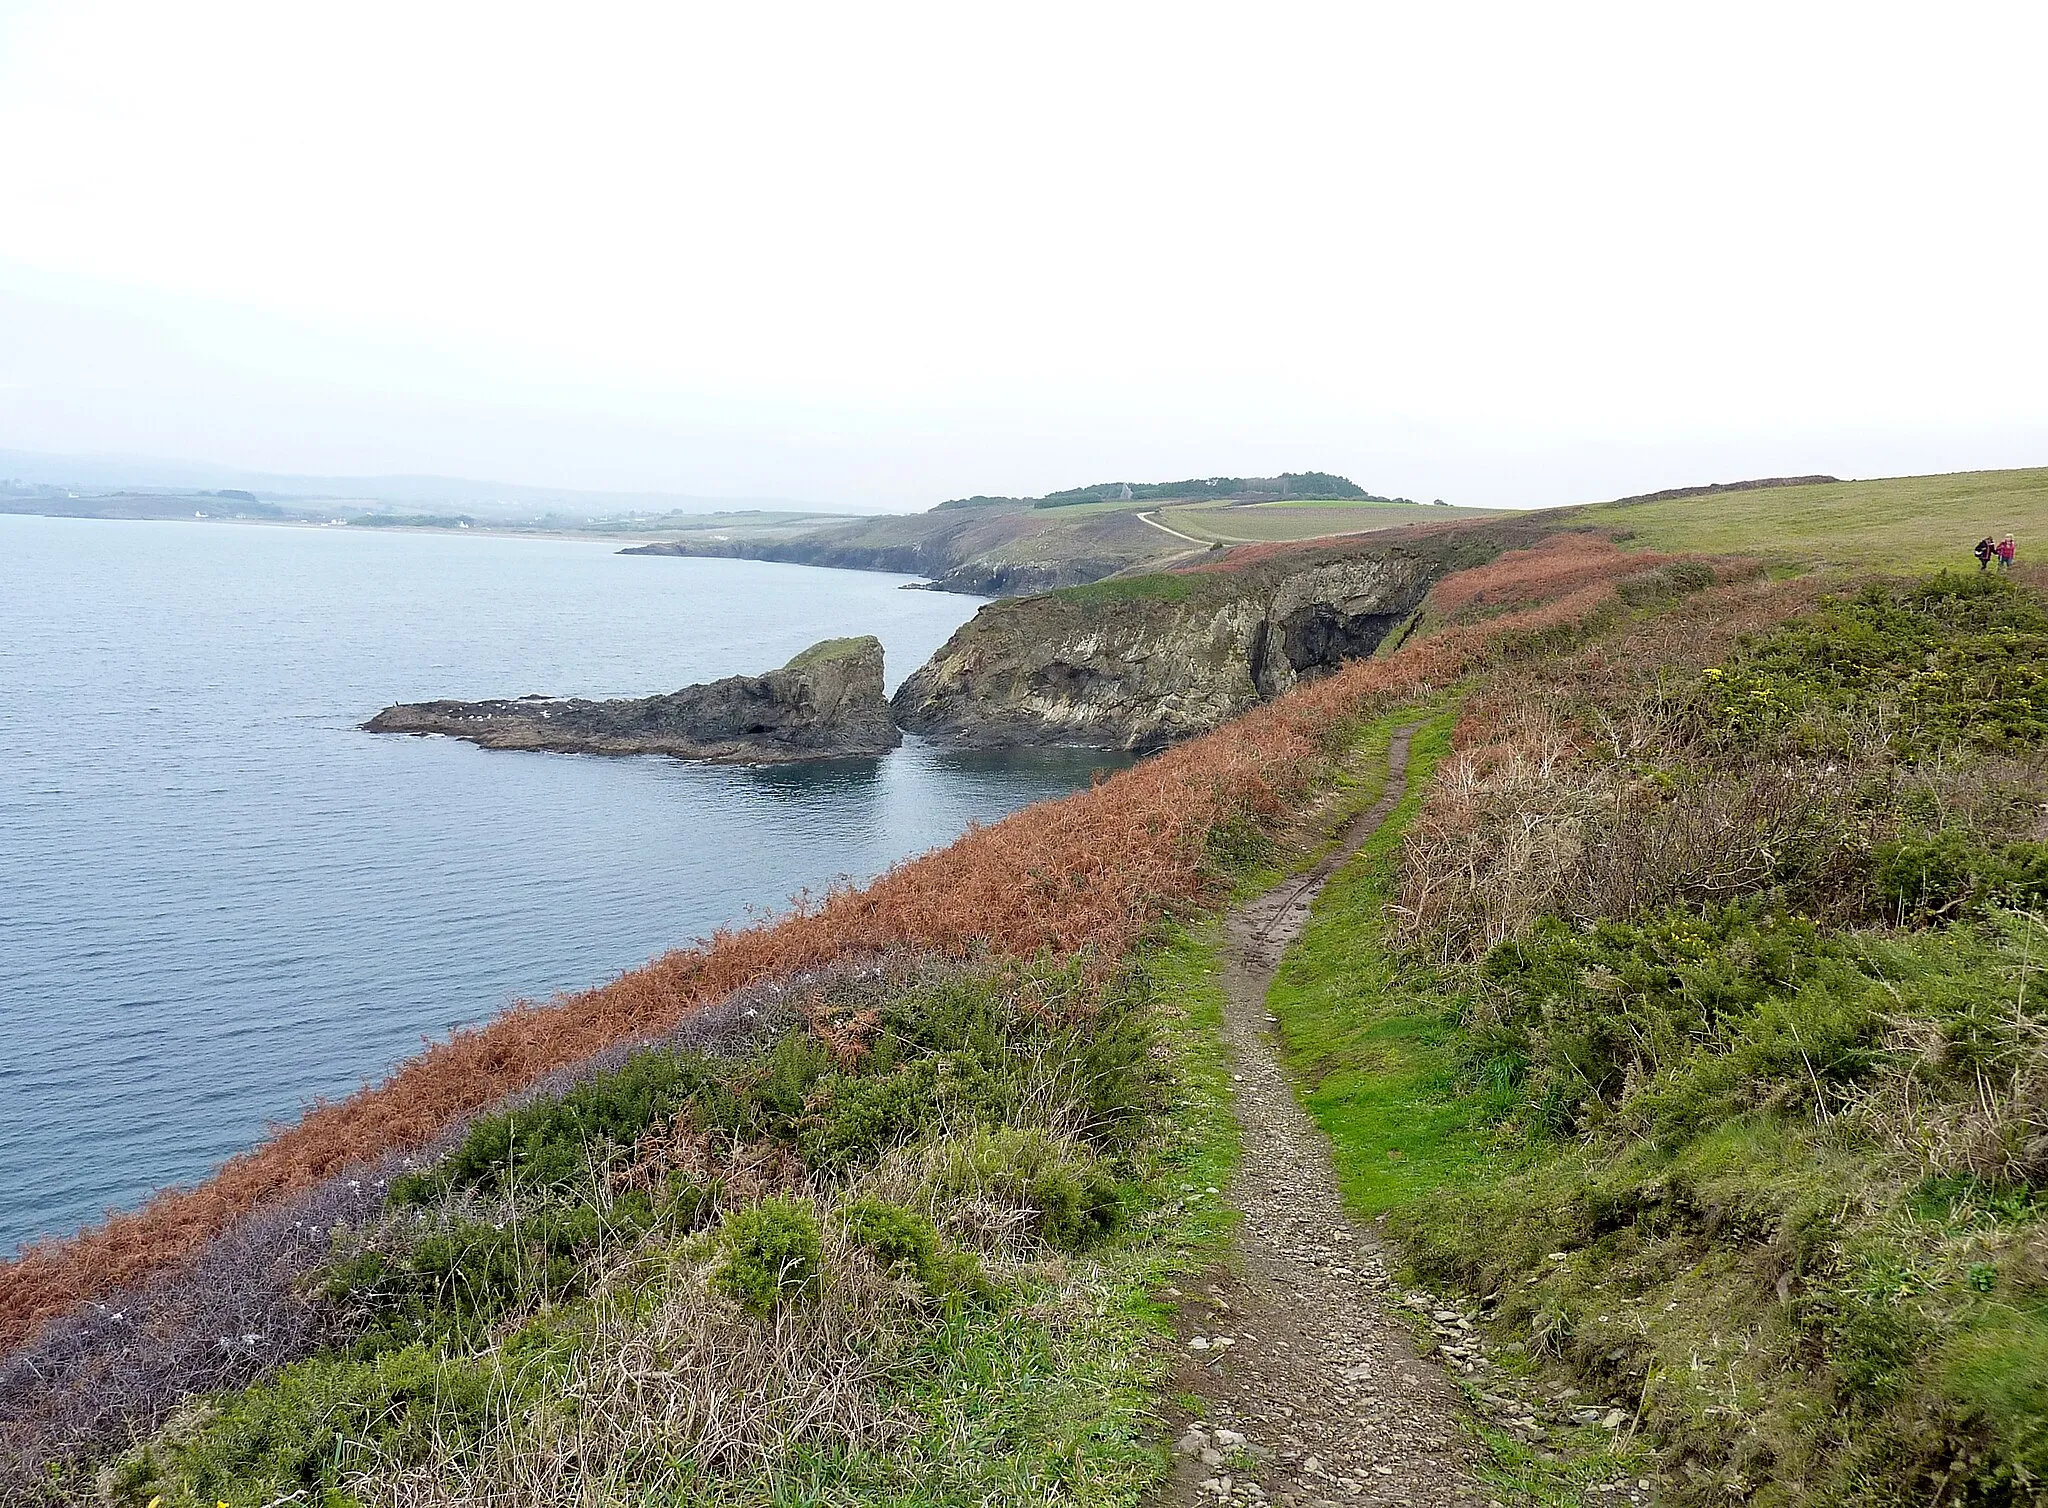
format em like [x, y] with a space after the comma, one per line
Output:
[1922, 877]
[769, 1256]
[556, 1142]
[1961, 660]
[302, 1433]
[904, 1241]
[854, 1118]
[1618, 1010]
[455, 1282]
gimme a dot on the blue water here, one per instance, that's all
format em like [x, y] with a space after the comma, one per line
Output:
[219, 900]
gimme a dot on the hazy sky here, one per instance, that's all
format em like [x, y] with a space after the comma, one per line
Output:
[886, 254]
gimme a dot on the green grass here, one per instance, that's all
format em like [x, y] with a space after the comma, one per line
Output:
[831, 649]
[1905, 524]
[1259, 523]
[1373, 1072]
[1157, 587]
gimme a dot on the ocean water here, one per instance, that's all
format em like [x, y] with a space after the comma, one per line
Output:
[219, 900]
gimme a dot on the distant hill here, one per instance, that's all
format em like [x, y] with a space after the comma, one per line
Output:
[1287, 485]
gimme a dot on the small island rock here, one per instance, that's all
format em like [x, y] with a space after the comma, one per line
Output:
[826, 703]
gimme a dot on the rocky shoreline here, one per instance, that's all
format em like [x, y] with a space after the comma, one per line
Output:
[827, 703]
[1133, 663]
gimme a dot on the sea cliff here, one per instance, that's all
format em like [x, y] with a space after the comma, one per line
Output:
[1137, 663]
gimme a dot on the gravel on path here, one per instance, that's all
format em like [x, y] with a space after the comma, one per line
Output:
[1313, 1390]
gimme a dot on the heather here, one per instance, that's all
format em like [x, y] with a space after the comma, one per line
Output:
[1692, 1027]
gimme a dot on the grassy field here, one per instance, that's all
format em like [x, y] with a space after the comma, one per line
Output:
[1896, 523]
[1262, 523]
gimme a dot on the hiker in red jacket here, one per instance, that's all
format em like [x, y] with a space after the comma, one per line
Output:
[2006, 551]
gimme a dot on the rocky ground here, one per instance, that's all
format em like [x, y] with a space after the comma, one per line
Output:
[1305, 1352]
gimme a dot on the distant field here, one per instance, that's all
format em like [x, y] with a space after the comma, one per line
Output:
[1897, 523]
[1266, 522]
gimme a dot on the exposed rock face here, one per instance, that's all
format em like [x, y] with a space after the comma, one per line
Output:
[825, 703]
[1137, 664]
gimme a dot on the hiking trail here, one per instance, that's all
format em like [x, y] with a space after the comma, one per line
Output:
[1313, 1390]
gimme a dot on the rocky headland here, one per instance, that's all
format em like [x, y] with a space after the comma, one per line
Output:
[826, 703]
[1136, 663]
[994, 547]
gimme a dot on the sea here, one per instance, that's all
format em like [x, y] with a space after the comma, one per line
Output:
[220, 900]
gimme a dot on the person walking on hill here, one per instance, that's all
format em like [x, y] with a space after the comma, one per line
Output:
[2006, 551]
[1984, 551]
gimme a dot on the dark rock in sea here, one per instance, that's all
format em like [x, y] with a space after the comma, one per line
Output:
[826, 703]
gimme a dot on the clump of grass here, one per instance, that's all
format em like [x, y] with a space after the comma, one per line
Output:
[1017, 1178]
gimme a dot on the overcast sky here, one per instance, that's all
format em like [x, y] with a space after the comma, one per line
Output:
[886, 254]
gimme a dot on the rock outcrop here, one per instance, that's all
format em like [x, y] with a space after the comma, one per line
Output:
[1137, 663]
[826, 703]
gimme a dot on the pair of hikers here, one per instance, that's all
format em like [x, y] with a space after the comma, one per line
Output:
[2003, 552]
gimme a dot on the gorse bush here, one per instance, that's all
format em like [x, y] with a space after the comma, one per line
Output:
[297, 1438]
[553, 1143]
[1960, 661]
[905, 1242]
[1591, 1019]
[464, 1277]
[769, 1256]
[1923, 877]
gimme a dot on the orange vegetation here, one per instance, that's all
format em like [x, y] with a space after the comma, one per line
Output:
[1562, 564]
[1237, 557]
[1087, 872]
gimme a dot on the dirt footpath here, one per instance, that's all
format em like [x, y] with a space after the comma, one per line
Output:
[1313, 1391]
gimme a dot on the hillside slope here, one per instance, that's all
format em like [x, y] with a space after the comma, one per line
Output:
[1002, 549]
[1005, 547]
[1922, 523]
